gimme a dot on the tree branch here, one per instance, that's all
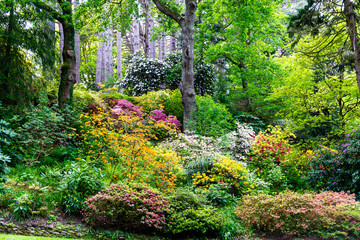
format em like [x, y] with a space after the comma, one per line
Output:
[50, 10]
[168, 12]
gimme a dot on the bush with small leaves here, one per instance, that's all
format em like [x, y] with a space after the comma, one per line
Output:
[328, 214]
[190, 214]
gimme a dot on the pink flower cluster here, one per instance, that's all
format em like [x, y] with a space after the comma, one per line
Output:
[158, 115]
[125, 107]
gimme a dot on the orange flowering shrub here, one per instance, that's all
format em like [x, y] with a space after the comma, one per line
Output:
[124, 141]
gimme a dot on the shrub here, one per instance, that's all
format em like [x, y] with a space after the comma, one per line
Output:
[276, 161]
[338, 169]
[211, 119]
[84, 98]
[45, 129]
[144, 75]
[6, 137]
[80, 181]
[328, 214]
[238, 143]
[190, 214]
[136, 208]
[225, 171]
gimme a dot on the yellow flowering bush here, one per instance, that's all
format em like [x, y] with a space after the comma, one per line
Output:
[225, 171]
[124, 141]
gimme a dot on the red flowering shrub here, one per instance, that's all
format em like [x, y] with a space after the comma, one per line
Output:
[328, 214]
[136, 208]
[277, 162]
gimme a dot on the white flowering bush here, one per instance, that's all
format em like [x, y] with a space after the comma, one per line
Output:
[144, 75]
[238, 143]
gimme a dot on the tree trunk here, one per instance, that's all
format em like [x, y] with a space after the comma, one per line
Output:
[187, 25]
[99, 64]
[136, 33]
[187, 79]
[119, 55]
[61, 31]
[147, 28]
[172, 43]
[351, 24]
[163, 47]
[160, 50]
[77, 49]
[108, 63]
[152, 45]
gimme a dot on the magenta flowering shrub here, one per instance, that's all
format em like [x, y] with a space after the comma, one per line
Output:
[159, 115]
[327, 213]
[125, 107]
[135, 208]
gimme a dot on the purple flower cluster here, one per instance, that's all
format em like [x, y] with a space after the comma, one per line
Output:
[125, 107]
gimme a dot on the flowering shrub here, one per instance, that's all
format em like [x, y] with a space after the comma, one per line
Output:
[328, 214]
[238, 143]
[144, 75]
[190, 214]
[274, 160]
[124, 142]
[124, 107]
[225, 171]
[135, 208]
[338, 169]
[158, 115]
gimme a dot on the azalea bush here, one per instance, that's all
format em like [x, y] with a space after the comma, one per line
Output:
[274, 159]
[135, 207]
[329, 214]
[225, 171]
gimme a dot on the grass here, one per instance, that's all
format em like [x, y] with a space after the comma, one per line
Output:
[18, 237]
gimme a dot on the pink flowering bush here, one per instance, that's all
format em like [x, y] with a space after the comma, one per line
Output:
[135, 207]
[329, 214]
[125, 107]
[159, 115]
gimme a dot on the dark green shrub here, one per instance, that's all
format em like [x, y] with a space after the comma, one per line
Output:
[190, 214]
[135, 207]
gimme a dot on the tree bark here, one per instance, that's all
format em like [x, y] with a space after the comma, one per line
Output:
[77, 49]
[61, 45]
[163, 47]
[152, 45]
[352, 28]
[119, 55]
[136, 32]
[100, 64]
[147, 35]
[187, 80]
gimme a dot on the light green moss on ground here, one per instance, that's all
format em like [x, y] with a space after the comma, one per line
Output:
[18, 237]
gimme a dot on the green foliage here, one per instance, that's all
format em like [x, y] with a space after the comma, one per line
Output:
[81, 180]
[45, 129]
[84, 98]
[329, 214]
[204, 76]
[211, 118]
[189, 214]
[135, 207]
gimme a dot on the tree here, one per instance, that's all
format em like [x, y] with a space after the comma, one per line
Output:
[24, 42]
[318, 15]
[63, 13]
[187, 24]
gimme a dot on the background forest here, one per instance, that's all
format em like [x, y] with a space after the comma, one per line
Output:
[227, 119]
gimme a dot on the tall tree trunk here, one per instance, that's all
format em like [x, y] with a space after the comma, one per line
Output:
[172, 43]
[68, 67]
[136, 33]
[61, 45]
[100, 69]
[187, 79]
[119, 55]
[147, 28]
[160, 50]
[77, 49]
[187, 25]
[152, 44]
[163, 47]
[352, 28]
[108, 63]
